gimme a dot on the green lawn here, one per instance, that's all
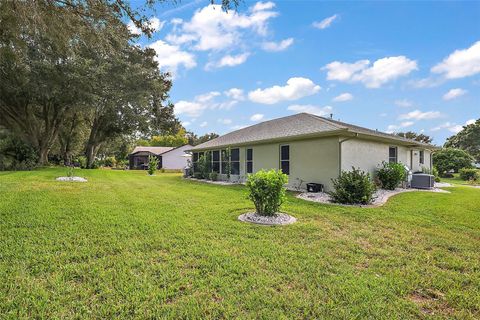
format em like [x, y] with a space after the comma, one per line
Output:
[126, 245]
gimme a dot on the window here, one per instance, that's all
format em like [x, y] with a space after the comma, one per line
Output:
[392, 155]
[285, 159]
[235, 161]
[224, 161]
[422, 157]
[216, 161]
[249, 161]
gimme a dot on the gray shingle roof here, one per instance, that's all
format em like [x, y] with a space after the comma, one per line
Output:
[298, 125]
[155, 150]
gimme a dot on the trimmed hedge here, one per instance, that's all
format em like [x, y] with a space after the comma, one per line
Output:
[267, 191]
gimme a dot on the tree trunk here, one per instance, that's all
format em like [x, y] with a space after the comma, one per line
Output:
[43, 156]
[90, 154]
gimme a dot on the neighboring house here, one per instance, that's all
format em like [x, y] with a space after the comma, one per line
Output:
[168, 157]
[310, 148]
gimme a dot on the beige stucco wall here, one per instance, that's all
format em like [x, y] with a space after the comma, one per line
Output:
[312, 160]
[367, 155]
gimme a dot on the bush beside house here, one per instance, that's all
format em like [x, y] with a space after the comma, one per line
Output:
[469, 174]
[353, 187]
[391, 174]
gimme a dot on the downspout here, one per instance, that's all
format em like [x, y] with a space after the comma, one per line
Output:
[340, 152]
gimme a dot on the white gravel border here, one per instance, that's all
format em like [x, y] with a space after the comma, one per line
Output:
[381, 196]
[218, 182]
[71, 179]
[279, 219]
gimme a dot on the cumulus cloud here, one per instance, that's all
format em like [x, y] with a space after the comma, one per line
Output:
[295, 88]
[256, 117]
[454, 93]
[453, 127]
[170, 57]
[343, 97]
[404, 103]
[392, 128]
[202, 102]
[211, 28]
[277, 46]
[319, 111]
[225, 121]
[153, 23]
[228, 61]
[235, 93]
[461, 63]
[419, 115]
[325, 23]
[371, 75]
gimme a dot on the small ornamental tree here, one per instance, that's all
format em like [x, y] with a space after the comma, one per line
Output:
[451, 159]
[267, 191]
[152, 165]
[391, 174]
[353, 187]
[203, 167]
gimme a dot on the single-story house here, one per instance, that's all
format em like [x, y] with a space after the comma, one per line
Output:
[310, 149]
[168, 157]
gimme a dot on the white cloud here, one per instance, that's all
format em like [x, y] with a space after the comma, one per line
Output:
[277, 46]
[235, 93]
[461, 63]
[211, 28]
[256, 117]
[238, 127]
[404, 103]
[419, 115]
[371, 75]
[428, 82]
[392, 128]
[225, 121]
[203, 124]
[319, 111]
[186, 123]
[170, 57]
[295, 88]
[453, 127]
[202, 102]
[343, 97]
[454, 93]
[228, 61]
[154, 23]
[325, 23]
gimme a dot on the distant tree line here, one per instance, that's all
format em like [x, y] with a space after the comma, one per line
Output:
[73, 82]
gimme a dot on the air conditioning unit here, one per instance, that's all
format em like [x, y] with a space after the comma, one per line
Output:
[422, 181]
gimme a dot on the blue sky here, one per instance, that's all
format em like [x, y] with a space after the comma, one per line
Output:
[391, 66]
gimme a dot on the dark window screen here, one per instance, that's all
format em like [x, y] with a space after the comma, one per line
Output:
[285, 152]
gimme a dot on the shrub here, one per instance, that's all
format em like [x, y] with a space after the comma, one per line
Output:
[266, 190]
[203, 166]
[110, 162]
[122, 164]
[70, 171]
[433, 172]
[391, 174]
[469, 174]
[152, 165]
[80, 161]
[447, 175]
[214, 176]
[197, 175]
[451, 159]
[17, 155]
[353, 187]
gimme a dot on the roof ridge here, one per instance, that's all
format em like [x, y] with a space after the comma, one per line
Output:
[329, 121]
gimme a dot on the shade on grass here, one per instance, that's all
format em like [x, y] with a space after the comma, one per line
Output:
[127, 245]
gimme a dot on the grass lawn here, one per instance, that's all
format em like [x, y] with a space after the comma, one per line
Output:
[126, 245]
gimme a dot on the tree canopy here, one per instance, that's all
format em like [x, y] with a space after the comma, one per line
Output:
[415, 136]
[468, 139]
[451, 159]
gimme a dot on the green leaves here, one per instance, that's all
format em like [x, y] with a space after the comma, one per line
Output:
[266, 190]
[353, 187]
[451, 159]
[391, 174]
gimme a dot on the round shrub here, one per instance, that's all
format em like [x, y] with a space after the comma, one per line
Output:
[353, 187]
[110, 162]
[391, 174]
[267, 191]
[213, 176]
[469, 174]
[449, 159]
